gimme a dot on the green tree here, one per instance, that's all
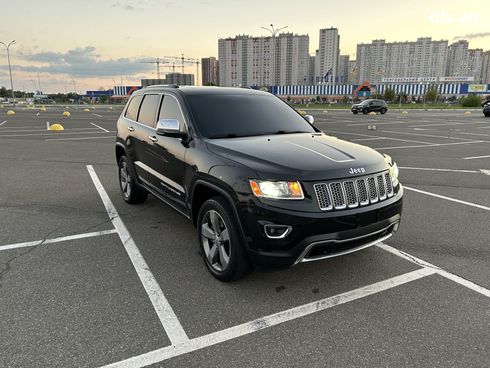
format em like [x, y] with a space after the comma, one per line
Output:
[209, 84]
[471, 101]
[431, 94]
[389, 95]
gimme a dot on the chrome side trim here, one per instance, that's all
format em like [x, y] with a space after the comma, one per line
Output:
[302, 259]
[163, 178]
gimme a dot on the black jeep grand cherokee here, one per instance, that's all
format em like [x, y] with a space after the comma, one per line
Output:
[262, 185]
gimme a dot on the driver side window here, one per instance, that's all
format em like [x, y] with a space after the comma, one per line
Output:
[170, 109]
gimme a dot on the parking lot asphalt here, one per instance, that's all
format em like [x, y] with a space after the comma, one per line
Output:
[87, 280]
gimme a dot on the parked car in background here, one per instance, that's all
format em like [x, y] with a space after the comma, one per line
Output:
[486, 109]
[370, 105]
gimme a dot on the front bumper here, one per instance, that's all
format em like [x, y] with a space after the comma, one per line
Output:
[316, 236]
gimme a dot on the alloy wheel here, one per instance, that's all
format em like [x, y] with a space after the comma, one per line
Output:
[216, 241]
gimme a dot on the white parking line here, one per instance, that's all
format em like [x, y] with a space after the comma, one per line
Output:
[43, 130]
[377, 136]
[433, 169]
[475, 157]
[99, 116]
[426, 135]
[51, 134]
[448, 198]
[3, 122]
[57, 240]
[438, 270]
[78, 139]
[169, 320]
[259, 324]
[95, 125]
[429, 145]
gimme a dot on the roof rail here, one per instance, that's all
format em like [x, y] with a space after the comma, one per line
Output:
[162, 85]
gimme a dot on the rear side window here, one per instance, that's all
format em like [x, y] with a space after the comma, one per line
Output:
[148, 110]
[134, 105]
[171, 110]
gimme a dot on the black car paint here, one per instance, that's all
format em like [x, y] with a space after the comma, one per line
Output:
[226, 165]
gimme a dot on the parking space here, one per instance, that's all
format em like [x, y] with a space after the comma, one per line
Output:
[87, 280]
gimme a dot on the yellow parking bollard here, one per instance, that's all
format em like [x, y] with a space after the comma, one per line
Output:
[56, 127]
[66, 113]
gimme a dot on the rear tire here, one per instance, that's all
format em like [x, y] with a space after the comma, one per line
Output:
[131, 191]
[355, 112]
[383, 111]
[220, 242]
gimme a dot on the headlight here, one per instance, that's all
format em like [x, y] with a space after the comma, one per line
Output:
[394, 174]
[277, 189]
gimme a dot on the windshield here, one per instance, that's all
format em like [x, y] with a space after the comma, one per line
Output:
[228, 116]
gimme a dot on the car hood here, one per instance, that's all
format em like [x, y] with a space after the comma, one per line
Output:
[303, 156]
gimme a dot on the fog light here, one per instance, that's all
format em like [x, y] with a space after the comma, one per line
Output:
[395, 227]
[273, 231]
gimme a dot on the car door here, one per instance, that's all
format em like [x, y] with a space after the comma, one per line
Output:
[167, 155]
[143, 130]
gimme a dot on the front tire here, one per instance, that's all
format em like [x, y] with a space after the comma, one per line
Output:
[131, 191]
[221, 245]
[354, 112]
[487, 115]
[365, 111]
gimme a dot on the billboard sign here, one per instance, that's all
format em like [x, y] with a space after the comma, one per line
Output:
[478, 88]
[456, 79]
[409, 80]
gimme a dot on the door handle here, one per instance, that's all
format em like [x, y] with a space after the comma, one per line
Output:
[153, 138]
[131, 129]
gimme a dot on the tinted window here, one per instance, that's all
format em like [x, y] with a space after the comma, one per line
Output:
[219, 116]
[134, 105]
[171, 110]
[148, 110]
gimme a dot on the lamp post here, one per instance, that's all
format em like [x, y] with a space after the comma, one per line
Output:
[10, 69]
[273, 30]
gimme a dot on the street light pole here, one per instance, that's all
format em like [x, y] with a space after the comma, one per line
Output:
[273, 30]
[10, 69]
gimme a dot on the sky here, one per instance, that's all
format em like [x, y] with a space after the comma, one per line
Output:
[92, 44]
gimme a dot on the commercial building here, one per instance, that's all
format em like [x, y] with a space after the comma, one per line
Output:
[329, 50]
[422, 58]
[210, 71]
[171, 78]
[264, 61]
[180, 79]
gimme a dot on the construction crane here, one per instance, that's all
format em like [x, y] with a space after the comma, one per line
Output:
[183, 61]
[157, 61]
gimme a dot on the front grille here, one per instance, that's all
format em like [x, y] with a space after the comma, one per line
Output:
[339, 195]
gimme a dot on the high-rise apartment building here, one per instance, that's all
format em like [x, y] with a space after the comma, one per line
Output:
[343, 69]
[329, 50]
[264, 61]
[485, 70]
[457, 60]
[475, 64]
[423, 58]
[210, 71]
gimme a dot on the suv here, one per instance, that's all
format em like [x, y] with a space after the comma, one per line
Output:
[486, 109]
[368, 106]
[263, 186]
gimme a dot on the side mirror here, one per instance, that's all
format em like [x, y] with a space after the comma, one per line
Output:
[169, 127]
[310, 119]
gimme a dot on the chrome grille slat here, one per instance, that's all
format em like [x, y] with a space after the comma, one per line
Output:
[338, 197]
[356, 192]
[323, 197]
